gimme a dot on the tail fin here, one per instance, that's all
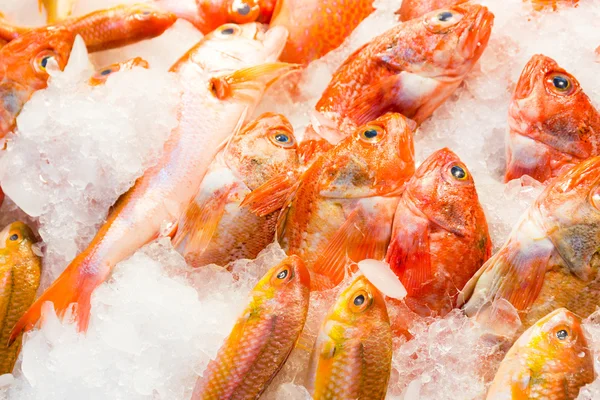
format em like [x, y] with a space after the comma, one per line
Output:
[72, 287]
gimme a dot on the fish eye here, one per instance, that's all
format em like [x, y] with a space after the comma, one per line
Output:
[562, 334]
[459, 172]
[14, 237]
[560, 83]
[228, 30]
[371, 134]
[243, 11]
[283, 139]
[360, 301]
[441, 21]
[40, 62]
[282, 275]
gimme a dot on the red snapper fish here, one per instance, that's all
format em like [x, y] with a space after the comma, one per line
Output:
[438, 221]
[553, 124]
[410, 69]
[223, 78]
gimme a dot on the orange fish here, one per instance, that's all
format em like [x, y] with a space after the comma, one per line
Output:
[108, 29]
[20, 270]
[438, 221]
[317, 26]
[410, 69]
[412, 9]
[262, 338]
[226, 72]
[551, 360]
[553, 124]
[100, 77]
[208, 15]
[215, 229]
[550, 259]
[348, 191]
[23, 64]
[352, 357]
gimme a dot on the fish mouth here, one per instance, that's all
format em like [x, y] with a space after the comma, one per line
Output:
[477, 34]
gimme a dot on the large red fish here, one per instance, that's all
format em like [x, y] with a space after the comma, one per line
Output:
[23, 65]
[225, 73]
[343, 205]
[550, 259]
[438, 221]
[553, 124]
[317, 26]
[108, 29]
[410, 69]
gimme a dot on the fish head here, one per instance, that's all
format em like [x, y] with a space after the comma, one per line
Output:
[262, 149]
[374, 161]
[147, 18]
[231, 47]
[285, 283]
[558, 337]
[569, 211]
[23, 64]
[443, 189]
[102, 74]
[550, 107]
[443, 44]
[16, 235]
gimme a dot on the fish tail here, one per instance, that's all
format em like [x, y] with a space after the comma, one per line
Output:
[72, 289]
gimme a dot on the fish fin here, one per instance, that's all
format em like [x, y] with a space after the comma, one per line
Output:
[281, 219]
[200, 221]
[270, 196]
[515, 273]
[409, 254]
[71, 287]
[227, 86]
[372, 101]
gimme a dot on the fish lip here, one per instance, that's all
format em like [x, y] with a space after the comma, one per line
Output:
[474, 44]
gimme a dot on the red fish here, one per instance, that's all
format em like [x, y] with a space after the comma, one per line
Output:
[227, 73]
[23, 65]
[438, 221]
[410, 69]
[343, 205]
[100, 77]
[553, 124]
[108, 29]
[317, 26]
[411, 9]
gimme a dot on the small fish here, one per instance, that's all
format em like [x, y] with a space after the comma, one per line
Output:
[100, 77]
[56, 10]
[317, 26]
[23, 64]
[438, 221]
[412, 9]
[227, 73]
[342, 207]
[20, 270]
[352, 357]
[550, 259]
[553, 124]
[262, 338]
[410, 69]
[108, 29]
[551, 361]
[216, 229]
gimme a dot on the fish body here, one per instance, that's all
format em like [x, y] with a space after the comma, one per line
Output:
[108, 29]
[100, 77]
[262, 338]
[317, 26]
[216, 229]
[412, 9]
[553, 124]
[410, 69]
[439, 220]
[223, 77]
[550, 259]
[348, 191]
[551, 360]
[57, 9]
[20, 270]
[23, 64]
[353, 353]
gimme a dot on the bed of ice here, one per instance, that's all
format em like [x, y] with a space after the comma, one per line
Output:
[156, 323]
